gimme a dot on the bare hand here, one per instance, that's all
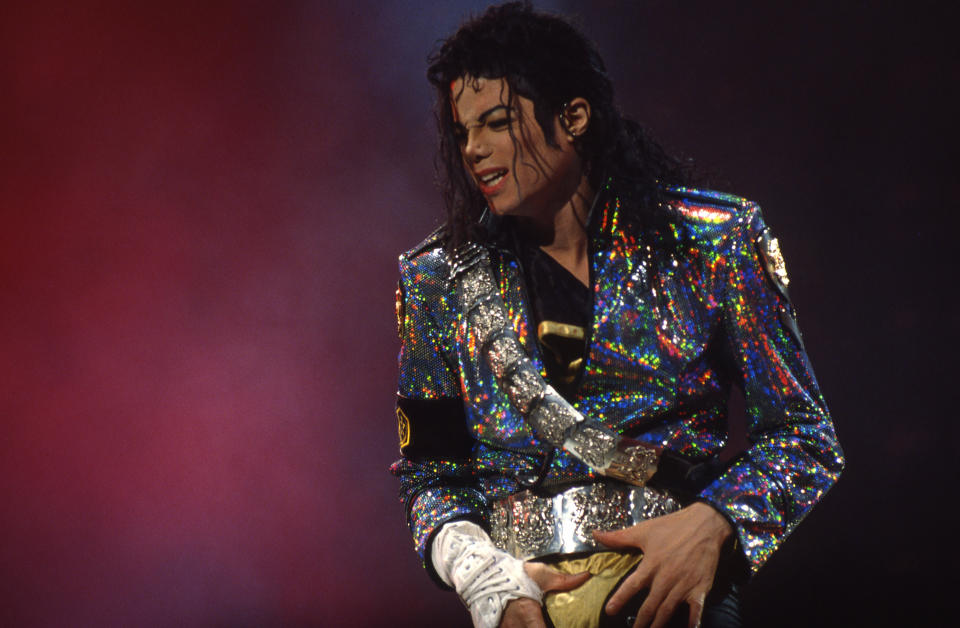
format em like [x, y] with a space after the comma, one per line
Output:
[526, 613]
[680, 555]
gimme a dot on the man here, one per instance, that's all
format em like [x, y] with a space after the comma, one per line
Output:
[576, 324]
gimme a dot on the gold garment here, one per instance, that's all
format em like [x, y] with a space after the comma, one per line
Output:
[583, 607]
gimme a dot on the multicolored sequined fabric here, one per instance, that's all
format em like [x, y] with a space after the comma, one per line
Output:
[678, 317]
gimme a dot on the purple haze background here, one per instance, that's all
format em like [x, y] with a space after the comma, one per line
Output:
[202, 208]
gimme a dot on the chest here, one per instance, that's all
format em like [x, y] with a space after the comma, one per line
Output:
[652, 317]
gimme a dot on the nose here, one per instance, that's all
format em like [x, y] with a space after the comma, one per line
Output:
[476, 148]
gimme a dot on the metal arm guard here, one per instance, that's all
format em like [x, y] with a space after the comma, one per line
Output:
[552, 418]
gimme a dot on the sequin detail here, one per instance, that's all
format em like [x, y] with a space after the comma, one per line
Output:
[667, 307]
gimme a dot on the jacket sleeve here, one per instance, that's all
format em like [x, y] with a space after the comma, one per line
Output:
[438, 482]
[793, 456]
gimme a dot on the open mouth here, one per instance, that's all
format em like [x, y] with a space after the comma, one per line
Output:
[491, 179]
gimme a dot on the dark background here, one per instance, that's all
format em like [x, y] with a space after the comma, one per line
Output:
[202, 205]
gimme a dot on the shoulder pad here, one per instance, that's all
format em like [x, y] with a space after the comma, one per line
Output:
[432, 241]
[708, 196]
[705, 206]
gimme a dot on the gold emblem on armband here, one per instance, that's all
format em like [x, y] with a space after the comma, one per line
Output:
[403, 428]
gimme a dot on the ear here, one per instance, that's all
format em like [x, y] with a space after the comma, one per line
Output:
[575, 117]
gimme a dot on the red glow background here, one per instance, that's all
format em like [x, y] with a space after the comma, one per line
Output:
[202, 207]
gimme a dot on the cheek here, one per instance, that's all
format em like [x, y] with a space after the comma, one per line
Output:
[464, 161]
[503, 147]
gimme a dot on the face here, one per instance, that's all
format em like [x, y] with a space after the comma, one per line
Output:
[506, 154]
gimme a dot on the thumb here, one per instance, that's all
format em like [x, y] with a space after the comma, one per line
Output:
[549, 579]
[625, 538]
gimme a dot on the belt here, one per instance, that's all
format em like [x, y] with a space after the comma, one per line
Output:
[527, 525]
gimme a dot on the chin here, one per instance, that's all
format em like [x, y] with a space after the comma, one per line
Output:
[512, 206]
[502, 209]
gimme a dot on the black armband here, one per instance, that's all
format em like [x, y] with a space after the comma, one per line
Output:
[433, 428]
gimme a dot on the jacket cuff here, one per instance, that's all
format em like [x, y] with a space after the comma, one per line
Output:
[745, 500]
[733, 561]
[436, 506]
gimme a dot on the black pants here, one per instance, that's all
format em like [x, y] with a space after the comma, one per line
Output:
[721, 609]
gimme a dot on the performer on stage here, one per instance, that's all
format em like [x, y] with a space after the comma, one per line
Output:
[570, 337]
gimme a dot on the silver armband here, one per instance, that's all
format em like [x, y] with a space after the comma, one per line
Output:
[550, 416]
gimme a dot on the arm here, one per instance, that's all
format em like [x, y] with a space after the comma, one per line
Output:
[794, 456]
[437, 478]
[439, 484]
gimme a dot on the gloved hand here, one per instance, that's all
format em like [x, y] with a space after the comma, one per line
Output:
[485, 577]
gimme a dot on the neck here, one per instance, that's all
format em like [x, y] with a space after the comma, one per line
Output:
[564, 230]
[562, 234]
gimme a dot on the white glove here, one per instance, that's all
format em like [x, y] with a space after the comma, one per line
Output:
[485, 577]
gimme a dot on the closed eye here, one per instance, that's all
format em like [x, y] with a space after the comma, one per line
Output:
[500, 123]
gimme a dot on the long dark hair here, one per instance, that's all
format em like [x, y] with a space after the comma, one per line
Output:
[544, 58]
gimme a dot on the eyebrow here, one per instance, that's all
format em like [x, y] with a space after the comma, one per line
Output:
[483, 116]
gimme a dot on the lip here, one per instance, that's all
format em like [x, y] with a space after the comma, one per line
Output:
[488, 190]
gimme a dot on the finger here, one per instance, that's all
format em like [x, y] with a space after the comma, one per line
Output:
[564, 582]
[617, 538]
[666, 609]
[631, 585]
[649, 607]
[549, 579]
[696, 602]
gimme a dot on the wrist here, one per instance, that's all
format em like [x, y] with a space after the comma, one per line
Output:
[485, 577]
[713, 523]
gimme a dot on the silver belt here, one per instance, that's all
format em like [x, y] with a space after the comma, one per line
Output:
[527, 526]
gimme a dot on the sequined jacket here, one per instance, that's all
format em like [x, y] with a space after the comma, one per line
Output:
[678, 317]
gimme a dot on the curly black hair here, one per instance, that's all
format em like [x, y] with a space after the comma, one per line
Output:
[547, 60]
